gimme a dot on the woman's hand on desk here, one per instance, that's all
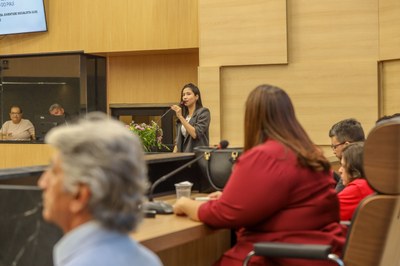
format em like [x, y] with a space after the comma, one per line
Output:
[178, 206]
[189, 207]
[215, 195]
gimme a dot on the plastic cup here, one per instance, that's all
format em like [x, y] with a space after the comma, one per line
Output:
[183, 189]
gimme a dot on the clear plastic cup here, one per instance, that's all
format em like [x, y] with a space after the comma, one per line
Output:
[183, 189]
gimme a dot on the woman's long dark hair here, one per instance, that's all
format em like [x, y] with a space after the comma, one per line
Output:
[270, 115]
[196, 91]
[353, 155]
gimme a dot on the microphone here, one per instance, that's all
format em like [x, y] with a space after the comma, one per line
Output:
[164, 114]
[223, 145]
[165, 208]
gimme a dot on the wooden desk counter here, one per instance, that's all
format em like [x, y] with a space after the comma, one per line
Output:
[25, 153]
[21, 154]
[26, 162]
[177, 240]
[166, 231]
[164, 157]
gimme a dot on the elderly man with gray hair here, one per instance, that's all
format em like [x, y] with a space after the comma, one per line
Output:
[93, 190]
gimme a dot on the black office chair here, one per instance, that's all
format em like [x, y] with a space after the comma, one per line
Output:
[374, 234]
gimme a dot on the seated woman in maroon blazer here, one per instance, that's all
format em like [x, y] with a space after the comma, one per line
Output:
[281, 188]
[352, 174]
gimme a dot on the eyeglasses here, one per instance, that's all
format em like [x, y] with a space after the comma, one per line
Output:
[15, 113]
[334, 146]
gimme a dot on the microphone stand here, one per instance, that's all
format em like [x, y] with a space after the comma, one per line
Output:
[165, 177]
[164, 114]
[159, 119]
[152, 207]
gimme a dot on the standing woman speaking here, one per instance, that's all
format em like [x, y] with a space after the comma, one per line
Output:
[193, 120]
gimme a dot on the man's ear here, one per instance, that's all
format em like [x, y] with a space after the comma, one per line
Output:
[81, 199]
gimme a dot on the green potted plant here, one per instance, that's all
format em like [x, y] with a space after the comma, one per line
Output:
[149, 134]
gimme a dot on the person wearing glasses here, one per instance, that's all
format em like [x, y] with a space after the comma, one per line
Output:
[342, 134]
[17, 128]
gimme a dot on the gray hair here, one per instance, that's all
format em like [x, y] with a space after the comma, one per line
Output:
[55, 106]
[103, 154]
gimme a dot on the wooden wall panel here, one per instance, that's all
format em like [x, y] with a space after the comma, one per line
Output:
[47, 66]
[111, 26]
[331, 74]
[18, 155]
[319, 103]
[389, 53]
[332, 30]
[389, 29]
[240, 32]
[210, 83]
[391, 87]
[153, 78]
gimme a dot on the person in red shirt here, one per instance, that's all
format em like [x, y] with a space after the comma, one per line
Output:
[281, 188]
[352, 174]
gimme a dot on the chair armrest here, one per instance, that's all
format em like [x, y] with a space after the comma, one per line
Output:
[286, 250]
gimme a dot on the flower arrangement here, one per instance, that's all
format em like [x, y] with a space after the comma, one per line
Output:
[150, 135]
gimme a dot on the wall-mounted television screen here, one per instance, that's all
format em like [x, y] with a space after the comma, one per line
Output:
[22, 16]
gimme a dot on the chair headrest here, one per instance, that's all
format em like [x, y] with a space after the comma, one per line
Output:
[382, 158]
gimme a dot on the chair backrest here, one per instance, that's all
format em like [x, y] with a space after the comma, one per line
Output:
[374, 236]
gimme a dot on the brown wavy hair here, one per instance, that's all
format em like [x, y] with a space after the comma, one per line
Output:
[353, 155]
[270, 115]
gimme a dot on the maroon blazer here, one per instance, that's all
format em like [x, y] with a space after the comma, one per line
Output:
[269, 197]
